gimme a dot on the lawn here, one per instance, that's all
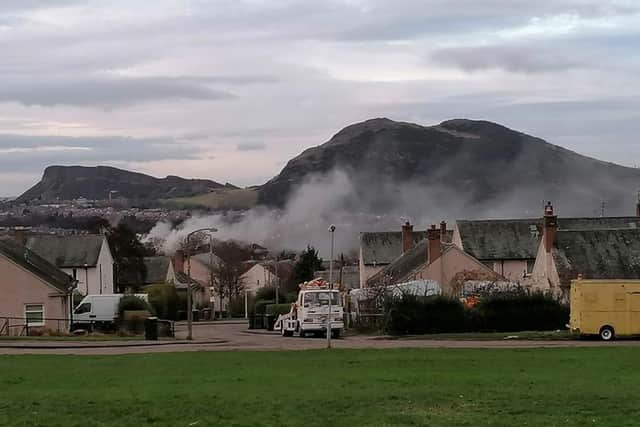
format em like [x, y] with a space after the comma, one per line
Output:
[547, 387]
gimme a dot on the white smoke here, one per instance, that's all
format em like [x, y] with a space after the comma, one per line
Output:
[334, 199]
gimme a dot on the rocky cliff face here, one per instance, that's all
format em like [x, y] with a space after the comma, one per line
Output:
[71, 182]
[476, 163]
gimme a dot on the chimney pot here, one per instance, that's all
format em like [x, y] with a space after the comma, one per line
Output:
[407, 237]
[443, 231]
[550, 227]
[434, 244]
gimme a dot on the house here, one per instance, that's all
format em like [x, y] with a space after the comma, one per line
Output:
[592, 248]
[34, 292]
[511, 246]
[437, 260]
[379, 249]
[507, 246]
[158, 270]
[258, 275]
[86, 258]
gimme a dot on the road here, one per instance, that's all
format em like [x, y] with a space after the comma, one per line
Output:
[236, 336]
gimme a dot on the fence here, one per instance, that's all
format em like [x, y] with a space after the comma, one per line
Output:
[18, 326]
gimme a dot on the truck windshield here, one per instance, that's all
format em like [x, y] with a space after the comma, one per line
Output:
[83, 308]
[321, 298]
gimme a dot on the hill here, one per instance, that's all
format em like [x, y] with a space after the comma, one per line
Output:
[72, 182]
[456, 167]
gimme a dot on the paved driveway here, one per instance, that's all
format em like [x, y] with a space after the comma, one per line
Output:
[236, 336]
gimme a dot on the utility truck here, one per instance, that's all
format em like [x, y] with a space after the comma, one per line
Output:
[99, 310]
[607, 308]
[310, 313]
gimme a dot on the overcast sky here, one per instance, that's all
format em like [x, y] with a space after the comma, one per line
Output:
[230, 90]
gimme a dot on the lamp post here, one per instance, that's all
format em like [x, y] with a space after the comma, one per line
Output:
[332, 229]
[189, 309]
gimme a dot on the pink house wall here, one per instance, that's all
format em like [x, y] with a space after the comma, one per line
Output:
[444, 269]
[19, 287]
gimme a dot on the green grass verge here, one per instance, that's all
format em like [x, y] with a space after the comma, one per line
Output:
[491, 336]
[539, 387]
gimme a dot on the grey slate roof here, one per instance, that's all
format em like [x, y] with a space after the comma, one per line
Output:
[206, 259]
[156, 272]
[402, 265]
[68, 251]
[597, 254]
[599, 223]
[520, 238]
[383, 247]
[501, 239]
[36, 265]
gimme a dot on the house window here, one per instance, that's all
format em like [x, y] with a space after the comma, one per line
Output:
[530, 264]
[34, 314]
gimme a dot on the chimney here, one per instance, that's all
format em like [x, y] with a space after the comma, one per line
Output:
[407, 237]
[550, 227]
[443, 231]
[21, 234]
[434, 245]
[178, 261]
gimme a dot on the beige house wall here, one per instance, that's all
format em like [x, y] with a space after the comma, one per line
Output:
[19, 287]
[545, 275]
[512, 270]
[257, 277]
[454, 261]
[95, 280]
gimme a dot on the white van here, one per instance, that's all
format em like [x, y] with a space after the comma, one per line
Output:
[99, 309]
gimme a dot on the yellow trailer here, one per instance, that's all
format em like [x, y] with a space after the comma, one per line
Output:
[608, 308]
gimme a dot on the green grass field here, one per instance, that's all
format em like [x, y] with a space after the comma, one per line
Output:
[546, 387]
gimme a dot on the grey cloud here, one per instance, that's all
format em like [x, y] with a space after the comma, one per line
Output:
[519, 59]
[251, 146]
[108, 92]
[21, 153]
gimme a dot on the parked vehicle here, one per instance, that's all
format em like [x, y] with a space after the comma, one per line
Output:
[310, 313]
[99, 310]
[608, 308]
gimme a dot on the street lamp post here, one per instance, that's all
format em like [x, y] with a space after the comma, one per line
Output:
[189, 309]
[332, 229]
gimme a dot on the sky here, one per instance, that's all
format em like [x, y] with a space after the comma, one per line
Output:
[232, 89]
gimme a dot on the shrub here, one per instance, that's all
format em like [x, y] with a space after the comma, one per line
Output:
[411, 314]
[519, 311]
[132, 303]
[277, 309]
[507, 312]
[164, 300]
[261, 305]
[269, 293]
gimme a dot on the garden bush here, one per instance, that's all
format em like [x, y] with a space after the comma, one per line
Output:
[509, 312]
[133, 303]
[411, 314]
[520, 311]
[164, 300]
[277, 309]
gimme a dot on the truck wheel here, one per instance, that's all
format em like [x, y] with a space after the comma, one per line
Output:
[335, 334]
[303, 333]
[607, 333]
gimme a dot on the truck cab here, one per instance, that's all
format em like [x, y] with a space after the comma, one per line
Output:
[310, 313]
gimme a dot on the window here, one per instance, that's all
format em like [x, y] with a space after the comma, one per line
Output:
[34, 314]
[83, 308]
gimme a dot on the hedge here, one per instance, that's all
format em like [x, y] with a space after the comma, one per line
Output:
[277, 309]
[409, 314]
[164, 300]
